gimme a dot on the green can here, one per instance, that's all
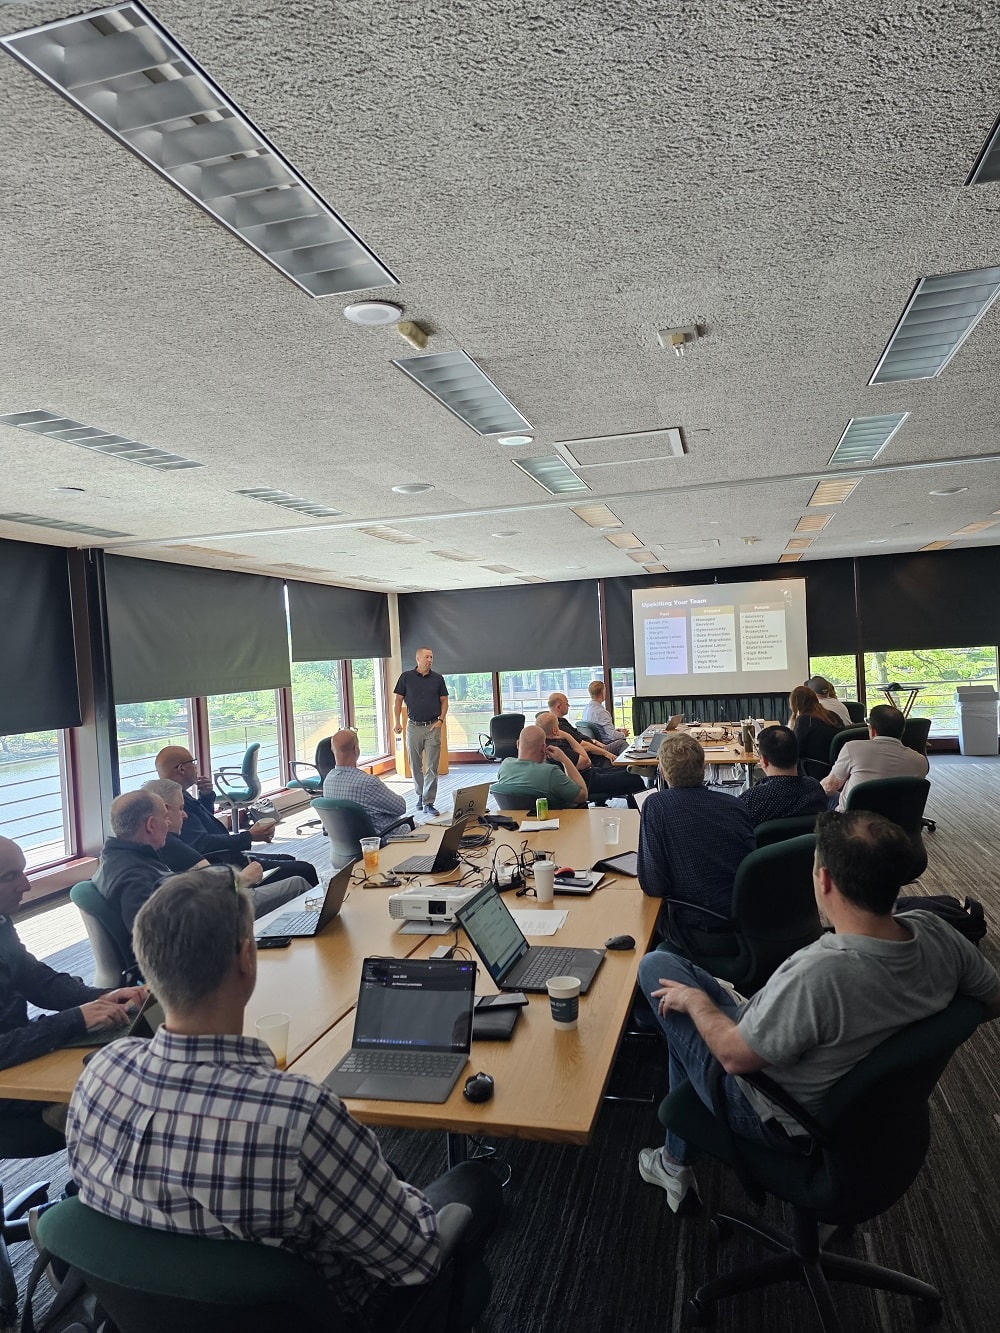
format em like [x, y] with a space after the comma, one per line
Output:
[542, 808]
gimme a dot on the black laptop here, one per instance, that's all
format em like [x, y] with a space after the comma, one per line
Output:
[144, 1024]
[511, 961]
[300, 925]
[412, 1030]
[446, 857]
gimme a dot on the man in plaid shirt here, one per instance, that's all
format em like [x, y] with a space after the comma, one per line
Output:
[196, 1131]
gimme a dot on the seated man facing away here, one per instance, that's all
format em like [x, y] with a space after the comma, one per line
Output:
[347, 782]
[597, 715]
[783, 792]
[240, 1150]
[559, 782]
[209, 835]
[824, 1009]
[882, 756]
[692, 840]
[601, 782]
[24, 980]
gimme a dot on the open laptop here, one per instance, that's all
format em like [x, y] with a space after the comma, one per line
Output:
[446, 857]
[470, 802]
[144, 1024]
[511, 961]
[412, 1030]
[301, 925]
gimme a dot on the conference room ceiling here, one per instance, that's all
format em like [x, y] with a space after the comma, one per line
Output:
[551, 186]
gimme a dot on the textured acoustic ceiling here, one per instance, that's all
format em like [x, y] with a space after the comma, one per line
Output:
[552, 184]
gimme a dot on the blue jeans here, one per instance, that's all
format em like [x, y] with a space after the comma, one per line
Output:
[690, 1058]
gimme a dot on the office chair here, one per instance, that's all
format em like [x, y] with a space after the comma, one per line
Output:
[842, 737]
[310, 777]
[21, 1136]
[589, 730]
[855, 709]
[814, 768]
[346, 823]
[239, 787]
[509, 797]
[501, 743]
[109, 940]
[161, 1281]
[868, 1145]
[902, 800]
[916, 731]
[773, 914]
[778, 830]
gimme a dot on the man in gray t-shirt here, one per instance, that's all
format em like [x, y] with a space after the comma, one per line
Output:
[824, 1009]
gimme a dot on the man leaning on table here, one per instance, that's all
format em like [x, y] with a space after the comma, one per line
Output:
[242, 1151]
[426, 697]
[74, 1007]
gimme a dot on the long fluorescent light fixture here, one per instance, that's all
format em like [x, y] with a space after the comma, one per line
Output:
[552, 473]
[813, 522]
[941, 313]
[465, 389]
[285, 501]
[986, 167]
[833, 492]
[597, 516]
[129, 75]
[625, 541]
[61, 525]
[789, 559]
[864, 438]
[99, 441]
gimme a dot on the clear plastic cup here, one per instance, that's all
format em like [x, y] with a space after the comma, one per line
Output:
[369, 849]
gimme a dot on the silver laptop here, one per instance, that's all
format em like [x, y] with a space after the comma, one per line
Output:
[511, 961]
[412, 1031]
[470, 802]
[144, 1024]
[301, 925]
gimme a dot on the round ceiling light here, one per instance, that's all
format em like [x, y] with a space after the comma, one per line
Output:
[373, 312]
[413, 488]
[512, 441]
[952, 490]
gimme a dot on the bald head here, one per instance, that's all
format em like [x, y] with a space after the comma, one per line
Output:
[531, 745]
[13, 881]
[176, 763]
[345, 748]
[548, 722]
[140, 816]
[558, 704]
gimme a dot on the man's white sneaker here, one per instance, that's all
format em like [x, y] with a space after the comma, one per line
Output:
[681, 1189]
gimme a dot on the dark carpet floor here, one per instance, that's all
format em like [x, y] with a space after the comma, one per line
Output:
[586, 1247]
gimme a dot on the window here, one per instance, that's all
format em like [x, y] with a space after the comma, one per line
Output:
[937, 671]
[470, 707]
[840, 671]
[527, 692]
[235, 721]
[34, 795]
[623, 689]
[143, 730]
[317, 706]
[368, 687]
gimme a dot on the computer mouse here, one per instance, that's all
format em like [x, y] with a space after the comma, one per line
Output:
[620, 942]
[478, 1088]
[565, 872]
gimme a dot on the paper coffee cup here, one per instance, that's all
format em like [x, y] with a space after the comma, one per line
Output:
[545, 879]
[273, 1028]
[564, 1001]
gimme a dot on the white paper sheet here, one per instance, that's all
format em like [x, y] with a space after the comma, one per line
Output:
[537, 825]
[539, 922]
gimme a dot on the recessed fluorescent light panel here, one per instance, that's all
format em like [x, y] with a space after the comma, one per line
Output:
[530, 578]
[392, 535]
[500, 569]
[799, 543]
[286, 501]
[597, 516]
[460, 556]
[454, 379]
[986, 167]
[36, 521]
[789, 559]
[625, 541]
[552, 473]
[130, 76]
[935, 546]
[940, 314]
[97, 440]
[971, 529]
[642, 557]
[833, 492]
[865, 438]
[657, 569]
[812, 522]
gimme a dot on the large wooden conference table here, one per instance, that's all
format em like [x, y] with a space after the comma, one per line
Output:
[720, 751]
[549, 1084]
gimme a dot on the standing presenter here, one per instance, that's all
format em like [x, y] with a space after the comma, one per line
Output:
[426, 697]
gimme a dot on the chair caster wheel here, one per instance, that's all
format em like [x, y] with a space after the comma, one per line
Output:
[719, 1229]
[929, 1313]
[702, 1313]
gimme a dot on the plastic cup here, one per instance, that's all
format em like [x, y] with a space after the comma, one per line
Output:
[564, 1001]
[369, 849]
[612, 831]
[273, 1028]
[545, 880]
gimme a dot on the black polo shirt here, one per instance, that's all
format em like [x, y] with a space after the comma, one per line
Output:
[421, 694]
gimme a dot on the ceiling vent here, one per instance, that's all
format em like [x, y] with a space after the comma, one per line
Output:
[60, 525]
[833, 492]
[286, 501]
[122, 69]
[941, 313]
[98, 441]
[458, 556]
[392, 535]
[986, 167]
[552, 474]
[864, 438]
[454, 379]
[597, 516]
[644, 446]
[813, 522]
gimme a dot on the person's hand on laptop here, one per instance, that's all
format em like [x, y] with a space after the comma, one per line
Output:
[100, 1015]
[136, 996]
[251, 874]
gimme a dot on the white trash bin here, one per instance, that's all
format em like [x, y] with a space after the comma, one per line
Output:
[977, 719]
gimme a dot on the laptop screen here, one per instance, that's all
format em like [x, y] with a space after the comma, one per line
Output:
[470, 802]
[415, 1003]
[494, 933]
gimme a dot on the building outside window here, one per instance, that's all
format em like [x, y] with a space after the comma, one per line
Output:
[235, 721]
[317, 706]
[470, 707]
[34, 795]
[368, 688]
[937, 671]
[527, 692]
[143, 730]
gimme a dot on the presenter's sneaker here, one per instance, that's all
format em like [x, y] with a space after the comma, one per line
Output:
[681, 1188]
[432, 810]
[420, 805]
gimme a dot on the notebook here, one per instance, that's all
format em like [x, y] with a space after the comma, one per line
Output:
[144, 1024]
[511, 961]
[412, 1030]
[446, 857]
[300, 925]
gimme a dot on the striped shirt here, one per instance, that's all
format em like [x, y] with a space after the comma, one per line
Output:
[202, 1135]
[353, 784]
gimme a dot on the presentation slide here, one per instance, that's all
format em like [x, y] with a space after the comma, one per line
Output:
[732, 638]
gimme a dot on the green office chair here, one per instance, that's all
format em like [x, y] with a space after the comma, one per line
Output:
[21, 1136]
[346, 823]
[510, 797]
[589, 730]
[310, 777]
[868, 1145]
[842, 737]
[161, 1281]
[778, 830]
[902, 800]
[239, 787]
[109, 940]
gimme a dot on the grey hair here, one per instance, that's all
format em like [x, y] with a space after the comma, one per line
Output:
[187, 934]
[165, 788]
[130, 811]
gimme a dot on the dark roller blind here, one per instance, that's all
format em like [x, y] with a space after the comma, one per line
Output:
[939, 599]
[177, 631]
[38, 686]
[329, 623]
[532, 627]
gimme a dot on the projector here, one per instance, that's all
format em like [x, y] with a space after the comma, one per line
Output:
[437, 903]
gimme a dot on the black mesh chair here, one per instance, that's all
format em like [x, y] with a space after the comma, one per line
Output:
[501, 743]
[842, 737]
[346, 823]
[856, 710]
[916, 731]
[780, 830]
[902, 800]
[868, 1144]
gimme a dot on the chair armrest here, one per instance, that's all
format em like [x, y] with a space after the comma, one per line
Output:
[398, 823]
[696, 907]
[777, 1094]
[223, 775]
[296, 764]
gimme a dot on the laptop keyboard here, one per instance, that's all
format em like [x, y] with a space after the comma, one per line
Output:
[414, 1064]
[415, 865]
[293, 923]
[547, 962]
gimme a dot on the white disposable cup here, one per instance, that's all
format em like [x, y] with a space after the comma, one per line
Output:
[273, 1028]
[545, 880]
[564, 1001]
[612, 831]
[758, 725]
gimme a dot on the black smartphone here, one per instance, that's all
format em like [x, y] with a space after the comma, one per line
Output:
[274, 941]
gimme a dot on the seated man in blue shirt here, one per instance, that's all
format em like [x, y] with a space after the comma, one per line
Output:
[783, 792]
[347, 782]
[596, 714]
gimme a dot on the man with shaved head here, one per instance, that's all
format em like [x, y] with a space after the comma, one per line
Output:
[347, 782]
[602, 781]
[559, 781]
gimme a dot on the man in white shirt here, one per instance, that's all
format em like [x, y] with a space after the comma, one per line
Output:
[596, 715]
[347, 782]
[882, 756]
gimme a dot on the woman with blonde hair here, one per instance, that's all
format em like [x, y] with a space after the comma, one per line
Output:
[814, 725]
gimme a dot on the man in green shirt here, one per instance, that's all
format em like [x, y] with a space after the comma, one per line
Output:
[562, 786]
